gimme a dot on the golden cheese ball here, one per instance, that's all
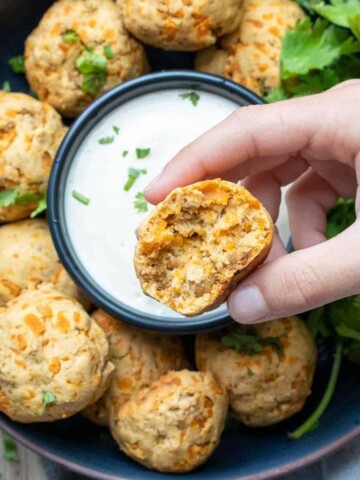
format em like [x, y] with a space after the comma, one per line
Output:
[30, 134]
[28, 257]
[251, 55]
[87, 31]
[54, 357]
[139, 356]
[267, 387]
[175, 424]
[181, 24]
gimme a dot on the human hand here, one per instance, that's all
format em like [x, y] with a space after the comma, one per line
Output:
[314, 142]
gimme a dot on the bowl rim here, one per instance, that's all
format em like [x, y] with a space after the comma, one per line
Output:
[176, 79]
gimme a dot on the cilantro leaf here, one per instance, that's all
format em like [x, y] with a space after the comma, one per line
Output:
[108, 52]
[133, 174]
[106, 140]
[116, 129]
[93, 68]
[338, 11]
[314, 47]
[17, 64]
[125, 152]
[80, 198]
[42, 206]
[10, 449]
[48, 399]
[340, 217]
[246, 340]
[306, 5]
[8, 197]
[192, 96]
[13, 197]
[71, 37]
[276, 95]
[142, 153]
[6, 87]
[140, 203]
[354, 24]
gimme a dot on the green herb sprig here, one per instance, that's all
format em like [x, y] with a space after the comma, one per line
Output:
[17, 64]
[10, 449]
[12, 197]
[133, 175]
[49, 399]
[246, 340]
[192, 96]
[140, 203]
[142, 153]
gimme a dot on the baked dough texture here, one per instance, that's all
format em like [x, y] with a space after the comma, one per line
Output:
[53, 356]
[50, 61]
[198, 243]
[267, 387]
[251, 55]
[175, 424]
[30, 134]
[28, 257]
[185, 25]
[139, 356]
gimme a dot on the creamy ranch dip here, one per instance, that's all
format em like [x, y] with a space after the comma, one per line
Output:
[101, 216]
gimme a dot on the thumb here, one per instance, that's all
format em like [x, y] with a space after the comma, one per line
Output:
[300, 281]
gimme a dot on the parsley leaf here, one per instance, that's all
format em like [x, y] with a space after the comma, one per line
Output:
[6, 87]
[106, 140]
[10, 449]
[140, 203]
[13, 197]
[338, 11]
[42, 206]
[71, 37]
[192, 96]
[306, 5]
[246, 340]
[93, 68]
[116, 129]
[48, 399]
[108, 52]
[80, 198]
[17, 64]
[142, 153]
[8, 197]
[133, 174]
[314, 47]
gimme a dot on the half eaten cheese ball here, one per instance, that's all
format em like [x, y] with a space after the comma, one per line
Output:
[198, 243]
[53, 357]
[175, 424]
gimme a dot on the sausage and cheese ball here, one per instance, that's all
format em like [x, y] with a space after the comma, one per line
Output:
[266, 387]
[54, 357]
[139, 356]
[181, 24]
[28, 257]
[79, 50]
[251, 55]
[198, 243]
[175, 424]
[30, 134]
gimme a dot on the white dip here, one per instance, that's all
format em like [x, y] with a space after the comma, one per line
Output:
[102, 232]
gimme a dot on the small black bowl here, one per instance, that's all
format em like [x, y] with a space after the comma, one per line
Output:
[78, 131]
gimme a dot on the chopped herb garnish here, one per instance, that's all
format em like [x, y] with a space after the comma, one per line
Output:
[192, 96]
[17, 64]
[14, 197]
[133, 174]
[116, 129]
[125, 152]
[70, 37]
[6, 87]
[108, 52]
[10, 449]
[250, 372]
[93, 68]
[48, 398]
[106, 140]
[140, 203]
[42, 206]
[246, 340]
[8, 197]
[80, 198]
[142, 153]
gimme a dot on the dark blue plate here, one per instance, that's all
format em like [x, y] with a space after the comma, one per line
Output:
[243, 454]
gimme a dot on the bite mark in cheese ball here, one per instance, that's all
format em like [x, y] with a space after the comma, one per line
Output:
[198, 243]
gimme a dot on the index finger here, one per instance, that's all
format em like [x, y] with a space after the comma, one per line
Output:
[256, 138]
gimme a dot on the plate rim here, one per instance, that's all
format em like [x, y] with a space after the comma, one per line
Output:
[265, 475]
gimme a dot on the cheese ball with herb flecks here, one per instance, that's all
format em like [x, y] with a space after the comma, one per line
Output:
[53, 357]
[175, 424]
[79, 50]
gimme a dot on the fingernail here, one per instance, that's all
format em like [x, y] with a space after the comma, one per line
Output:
[247, 305]
[153, 182]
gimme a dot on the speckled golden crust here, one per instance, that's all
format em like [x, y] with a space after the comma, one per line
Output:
[175, 424]
[51, 62]
[268, 387]
[198, 243]
[50, 344]
[30, 134]
[251, 55]
[28, 257]
[181, 24]
[139, 356]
